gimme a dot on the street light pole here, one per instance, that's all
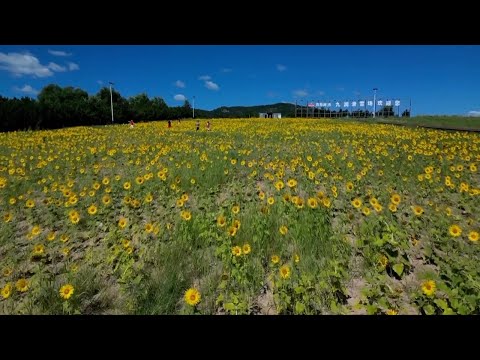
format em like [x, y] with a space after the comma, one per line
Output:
[193, 107]
[111, 98]
[374, 101]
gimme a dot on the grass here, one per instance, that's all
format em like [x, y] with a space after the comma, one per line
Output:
[440, 122]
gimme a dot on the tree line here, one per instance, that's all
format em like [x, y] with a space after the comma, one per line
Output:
[57, 107]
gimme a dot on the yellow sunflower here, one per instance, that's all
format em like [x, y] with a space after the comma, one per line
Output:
[66, 291]
[192, 297]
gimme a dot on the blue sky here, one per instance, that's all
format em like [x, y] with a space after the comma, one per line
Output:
[438, 79]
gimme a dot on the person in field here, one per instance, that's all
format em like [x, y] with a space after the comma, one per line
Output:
[132, 124]
[198, 125]
[169, 124]
[208, 126]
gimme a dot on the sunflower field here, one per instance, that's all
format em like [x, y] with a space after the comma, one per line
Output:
[256, 216]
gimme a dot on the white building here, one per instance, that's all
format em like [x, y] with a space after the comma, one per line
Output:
[270, 115]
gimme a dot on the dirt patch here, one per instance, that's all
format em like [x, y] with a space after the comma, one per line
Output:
[265, 303]
[354, 289]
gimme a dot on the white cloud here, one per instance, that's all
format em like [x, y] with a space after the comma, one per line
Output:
[99, 82]
[281, 67]
[55, 67]
[23, 64]
[179, 97]
[27, 89]
[210, 85]
[72, 66]
[179, 84]
[225, 70]
[300, 93]
[474, 113]
[205, 77]
[59, 53]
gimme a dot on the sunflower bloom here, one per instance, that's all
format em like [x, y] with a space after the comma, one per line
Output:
[283, 230]
[275, 259]
[292, 183]
[106, 199]
[285, 272]
[192, 297]
[186, 215]
[22, 285]
[312, 203]
[349, 186]
[6, 291]
[237, 250]
[417, 210]
[7, 272]
[66, 291]
[232, 230]
[429, 287]
[455, 230]
[38, 249]
[122, 223]
[383, 261]
[279, 185]
[149, 227]
[92, 209]
[357, 203]
[473, 236]
[36, 230]
[221, 221]
[246, 249]
[395, 199]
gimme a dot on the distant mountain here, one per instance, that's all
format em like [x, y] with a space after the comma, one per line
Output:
[286, 109]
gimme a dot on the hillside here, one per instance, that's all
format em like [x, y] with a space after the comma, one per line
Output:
[286, 109]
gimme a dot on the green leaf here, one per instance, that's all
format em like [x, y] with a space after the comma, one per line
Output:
[383, 302]
[333, 306]
[299, 289]
[448, 311]
[229, 306]
[441, 304]
[371, 309]
[299, 307]
[137, 279]
[429, 310]
[398, 268]
[378, 241]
